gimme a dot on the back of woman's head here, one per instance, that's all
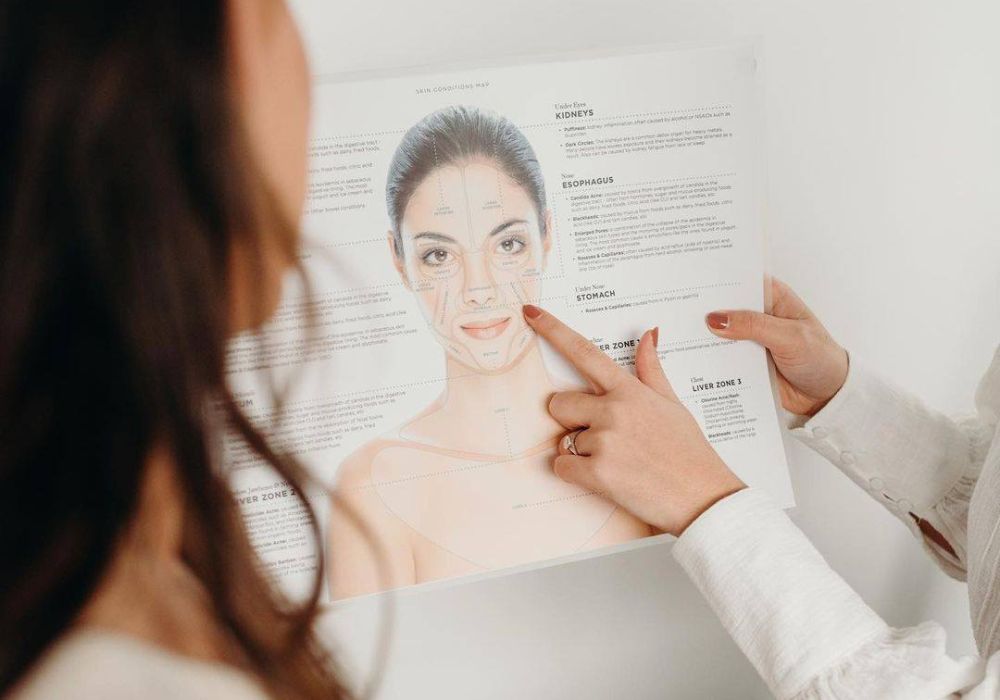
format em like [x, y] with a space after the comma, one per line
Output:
[125, 196]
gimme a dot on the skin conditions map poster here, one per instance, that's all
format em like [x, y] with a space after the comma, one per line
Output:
[619, 192]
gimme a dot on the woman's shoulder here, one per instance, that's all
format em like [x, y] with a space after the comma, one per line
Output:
[356, 469]
[92, 665]
[391, 451]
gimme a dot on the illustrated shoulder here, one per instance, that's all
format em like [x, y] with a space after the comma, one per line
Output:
[356, 469]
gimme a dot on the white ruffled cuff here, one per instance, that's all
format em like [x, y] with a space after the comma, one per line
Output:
[909, 458]
[787, 610]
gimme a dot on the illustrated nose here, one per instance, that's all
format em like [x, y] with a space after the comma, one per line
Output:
[480, 287]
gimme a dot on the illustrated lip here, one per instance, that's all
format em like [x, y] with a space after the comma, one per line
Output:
[486, 324]
[485, 330]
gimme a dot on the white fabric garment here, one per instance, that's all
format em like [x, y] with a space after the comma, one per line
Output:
[94, 665]
[808, 634]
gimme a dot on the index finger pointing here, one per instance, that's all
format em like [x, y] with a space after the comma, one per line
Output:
[596, 367]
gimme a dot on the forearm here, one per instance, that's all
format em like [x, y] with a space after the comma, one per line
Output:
[805, 630]
[920, 464]
[773, 591]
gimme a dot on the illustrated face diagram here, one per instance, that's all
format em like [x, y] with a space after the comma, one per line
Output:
[474, 246]
[466, 485]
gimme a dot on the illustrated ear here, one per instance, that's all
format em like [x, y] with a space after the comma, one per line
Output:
[397, 258]
[549, 233]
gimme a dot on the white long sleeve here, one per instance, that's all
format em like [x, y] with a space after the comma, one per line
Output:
[93, 664]
[910, 458]
[809, 635]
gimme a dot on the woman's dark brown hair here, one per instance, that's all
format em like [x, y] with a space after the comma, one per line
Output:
[125, 188]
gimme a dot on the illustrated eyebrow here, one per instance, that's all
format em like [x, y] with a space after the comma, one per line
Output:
[434, 236]
[506, 225]
[430, 235]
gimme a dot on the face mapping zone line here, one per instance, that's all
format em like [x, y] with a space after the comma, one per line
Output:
[496, 158]
[413, 483]
[442, 305]
[517, 286]
[468, 211]
[437, 171]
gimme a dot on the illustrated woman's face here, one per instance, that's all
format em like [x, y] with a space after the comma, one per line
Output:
[473, 253]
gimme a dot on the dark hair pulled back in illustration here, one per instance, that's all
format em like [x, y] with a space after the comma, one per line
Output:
[455, 135]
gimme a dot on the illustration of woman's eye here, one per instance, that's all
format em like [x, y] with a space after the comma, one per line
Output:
[436, 257]
[512, 245]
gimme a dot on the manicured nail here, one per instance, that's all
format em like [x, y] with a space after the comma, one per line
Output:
[656, 337]
[531, 311]
[718, 320]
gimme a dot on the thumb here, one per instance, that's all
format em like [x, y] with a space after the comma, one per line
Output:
[770, 331]
[648, 368]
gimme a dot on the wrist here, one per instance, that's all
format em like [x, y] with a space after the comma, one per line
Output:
[726, 486]
[841, 367]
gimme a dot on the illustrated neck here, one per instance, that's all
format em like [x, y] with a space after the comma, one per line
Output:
[513, 402]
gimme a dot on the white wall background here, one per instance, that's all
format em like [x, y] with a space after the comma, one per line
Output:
[884, 209]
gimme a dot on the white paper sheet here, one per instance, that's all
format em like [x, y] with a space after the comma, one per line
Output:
[620, 192]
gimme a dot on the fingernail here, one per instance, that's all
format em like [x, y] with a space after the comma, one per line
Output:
[718, 320]
[531, 311]
[656, 337]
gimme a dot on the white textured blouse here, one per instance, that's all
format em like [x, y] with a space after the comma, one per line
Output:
[805, 630]
[90, 664]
